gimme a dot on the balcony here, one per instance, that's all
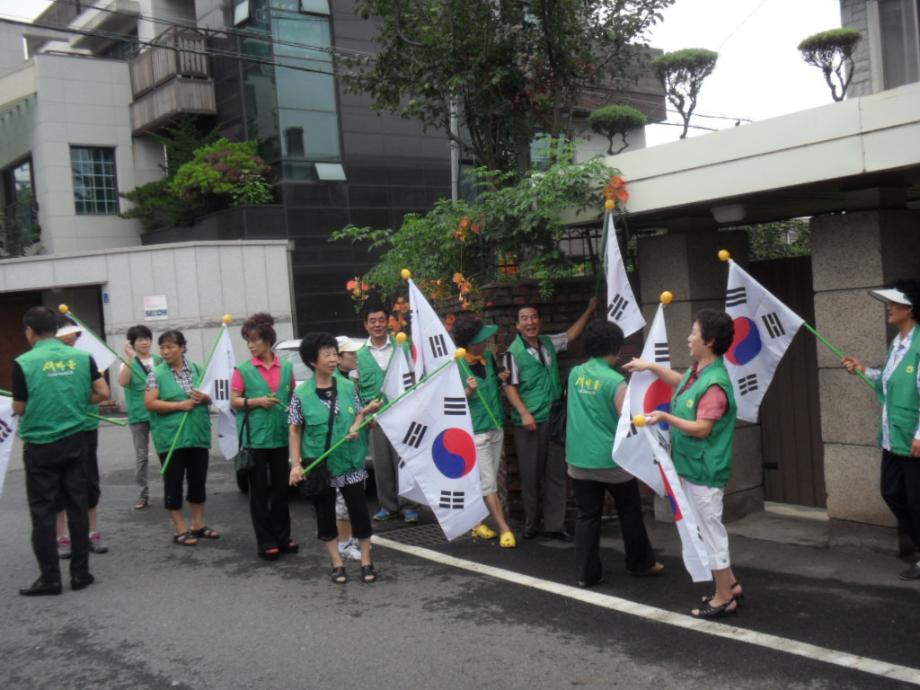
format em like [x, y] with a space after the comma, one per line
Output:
[171, 78]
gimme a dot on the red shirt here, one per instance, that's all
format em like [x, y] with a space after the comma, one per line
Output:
[713, 404]
[271, 374]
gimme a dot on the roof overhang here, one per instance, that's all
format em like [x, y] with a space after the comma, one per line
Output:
[112, 16]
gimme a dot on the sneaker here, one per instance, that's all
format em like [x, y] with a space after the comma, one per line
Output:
[410, 515]
[95, 543]
[483, 531]
[351, 551]
[383, 515]
[63, 547]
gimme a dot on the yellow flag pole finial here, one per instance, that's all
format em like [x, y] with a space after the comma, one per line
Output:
[609, 204]
[405, 274]
[401, 337]
[63, 308]
[666, 297]
[227, 319]
[460, 353]
[724, 255]
[639, 420]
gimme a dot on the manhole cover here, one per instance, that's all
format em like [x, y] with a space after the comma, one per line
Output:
[421, 535]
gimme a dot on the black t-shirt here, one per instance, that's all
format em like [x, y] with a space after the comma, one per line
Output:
[21, 390]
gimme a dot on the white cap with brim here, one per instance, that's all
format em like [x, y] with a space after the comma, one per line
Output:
[892, 296]
[347, 344]
[68, 330]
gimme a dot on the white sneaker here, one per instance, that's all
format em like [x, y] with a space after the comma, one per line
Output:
[352, 551]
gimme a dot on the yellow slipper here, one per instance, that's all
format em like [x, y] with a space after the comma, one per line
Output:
[483, 531]
[507, 541]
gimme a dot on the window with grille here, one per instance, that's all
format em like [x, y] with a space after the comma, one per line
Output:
[94, 186]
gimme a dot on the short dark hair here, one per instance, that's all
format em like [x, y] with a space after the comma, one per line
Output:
[174, 335]
[716, 326]
[261, 325]
[528, 305]
[138, 331]
[42, 320]
[465, 328]
[911, 290]
[373, 304]
[312, 343]
[602, 338]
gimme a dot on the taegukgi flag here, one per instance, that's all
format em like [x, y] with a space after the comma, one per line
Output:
[8, 423]
[432, 432]
[216, 383]
[645, 394]
[431, 344]
[100, 352]
[400, 377]
[764, 328]
[622, 307]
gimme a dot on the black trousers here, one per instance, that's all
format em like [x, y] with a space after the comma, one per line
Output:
[358, 515]
[268, 497]
[589, 499]
[901, 491]
[56, 475]
[92, 470]
[190, 464]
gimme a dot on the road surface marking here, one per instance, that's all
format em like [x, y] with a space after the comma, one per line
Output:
[772, 642]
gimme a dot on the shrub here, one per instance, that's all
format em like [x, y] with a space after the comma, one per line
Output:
[832, 52]
[612, 120]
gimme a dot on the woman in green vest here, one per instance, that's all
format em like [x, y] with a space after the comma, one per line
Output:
[132, 377]
[180, 414]
[702, 421]
[484, 380]
[594, 400]
[260, 393]
[898, 388]
[325, 410]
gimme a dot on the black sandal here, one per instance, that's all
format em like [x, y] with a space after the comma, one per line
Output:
[712, 612]
[737, 597]
[205, 533]
[271, 554]
[185, 539]
[368, 574]
[338, 575]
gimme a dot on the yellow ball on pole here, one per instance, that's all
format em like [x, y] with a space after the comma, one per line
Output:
[666, 297]
[401, 337]
[405, 274]
[460, 353]
[609, 204]
[63, 308]
[724, 255]
[227, 319]
[639, 420]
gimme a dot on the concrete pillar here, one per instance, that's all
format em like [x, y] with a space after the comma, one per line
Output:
[852, 253]
[687, 265]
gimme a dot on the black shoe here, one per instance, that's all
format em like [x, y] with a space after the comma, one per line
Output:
[81, 582]
[584, 584]
[559, 536]
[42, 588]
[906, 546]
[912, 573]
[531, 533]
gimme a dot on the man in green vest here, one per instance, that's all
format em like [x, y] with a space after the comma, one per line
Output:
[52, 385]
[373, 360]
[534, 391]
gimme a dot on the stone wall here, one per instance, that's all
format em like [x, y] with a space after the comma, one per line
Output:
[854, 15]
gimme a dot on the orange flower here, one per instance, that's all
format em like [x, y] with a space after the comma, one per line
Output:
[622, 195]
[464, 223]
[475, 229]
[449, 322]
[458, 278]
[351, 284]
[365, 287]
[617, 181]
[392, 323]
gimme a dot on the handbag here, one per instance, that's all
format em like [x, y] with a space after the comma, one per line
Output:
[558, 418]
[317, 482]
[243, 460]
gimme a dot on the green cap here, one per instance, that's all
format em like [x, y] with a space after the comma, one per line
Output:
[484, 334]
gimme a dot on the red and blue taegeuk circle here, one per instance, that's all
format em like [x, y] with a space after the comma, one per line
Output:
[658, 397]
[746, 344]
[454, 453]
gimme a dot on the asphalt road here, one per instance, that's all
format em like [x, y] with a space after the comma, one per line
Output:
[215, 616]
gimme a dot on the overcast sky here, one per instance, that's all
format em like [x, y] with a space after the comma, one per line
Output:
[760, 73]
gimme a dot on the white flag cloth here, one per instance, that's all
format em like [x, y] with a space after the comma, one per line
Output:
[90, 342]
[693, 549]
[8, 423]
[432, 432]
[431, 345]
[216, 383]
[399, 375]
[645, 393]
[622, 307]
[764, 328]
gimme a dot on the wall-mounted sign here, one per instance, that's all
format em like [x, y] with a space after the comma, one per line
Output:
[155, 308]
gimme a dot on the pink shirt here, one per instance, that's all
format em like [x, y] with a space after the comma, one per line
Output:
[271, 374]
[713, 403]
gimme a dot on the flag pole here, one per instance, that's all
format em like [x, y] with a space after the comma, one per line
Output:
[827, 343]
[468, 372]
[64, 309]
[411, 389]
[172, 447]
[117, 422]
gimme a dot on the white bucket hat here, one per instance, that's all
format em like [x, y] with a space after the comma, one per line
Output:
[891, 295]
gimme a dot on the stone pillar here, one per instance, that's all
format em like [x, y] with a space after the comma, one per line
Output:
[852, 253]
[687, 265]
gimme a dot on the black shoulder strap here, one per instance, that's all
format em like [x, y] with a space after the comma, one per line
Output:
[331, 421]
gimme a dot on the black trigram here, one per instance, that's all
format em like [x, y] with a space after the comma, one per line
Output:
[661, 352]
[436, 343]
[455, 406]
[451, 499]
[617, 306]
[415, 434]
[773, 324]
[402, 464]
[735, 297]
[747, 384]
[221, 389]
[408, 379]
[5, 431]
[632, 430]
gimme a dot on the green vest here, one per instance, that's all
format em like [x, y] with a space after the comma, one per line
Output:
[705, 461]
[134, 392]
[491, 390]
[901, 399]
[196, 433]
[538, 385]
[268, 427]
[349, 457]
[370, 375]
[58, 379]
[591, 417]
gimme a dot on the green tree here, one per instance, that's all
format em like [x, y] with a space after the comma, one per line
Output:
[681, 73]
[228, 172]
[832, 52]
[614, 120]
[778, 239]
[514, 68]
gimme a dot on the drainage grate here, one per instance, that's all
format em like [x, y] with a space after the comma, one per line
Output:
[421, 535]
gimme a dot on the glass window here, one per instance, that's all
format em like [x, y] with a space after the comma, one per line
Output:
[19, 195]
[900, 43]
[309, 134]
[94, 186]
[305, 90]
[331, 172]
[312, 38]
[240, 12]
[315, 6]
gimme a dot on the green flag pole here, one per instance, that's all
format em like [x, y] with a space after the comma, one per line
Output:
[468, 372]
[411, 389]
[827, 343]
[117, 422]
[172, 446]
